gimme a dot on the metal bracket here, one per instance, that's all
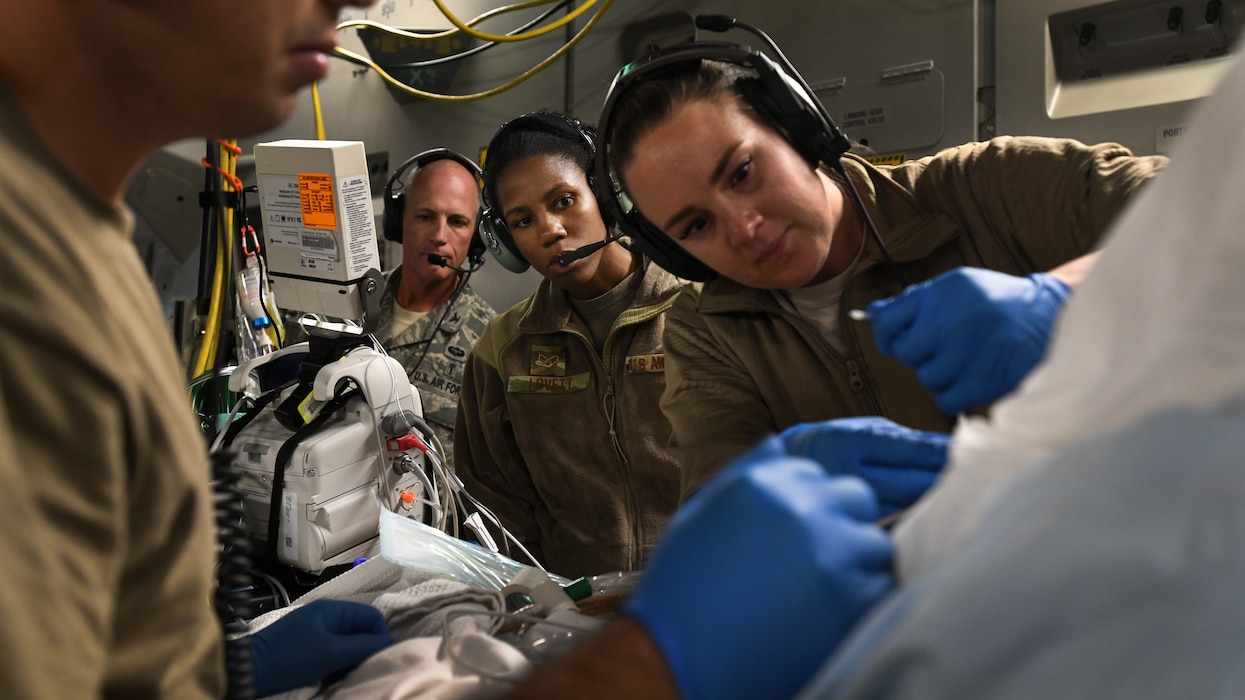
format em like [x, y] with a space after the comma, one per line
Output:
[908, 71]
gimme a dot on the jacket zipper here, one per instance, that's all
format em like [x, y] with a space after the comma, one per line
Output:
[608, 403]
[630, 317]
[856, 379]
[851, 340]
[853, 373]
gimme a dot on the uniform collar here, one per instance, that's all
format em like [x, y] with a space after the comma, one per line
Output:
[550, 307]
[449, 326]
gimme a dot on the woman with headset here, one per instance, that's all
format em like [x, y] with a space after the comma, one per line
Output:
[559, 431]
[725, 169]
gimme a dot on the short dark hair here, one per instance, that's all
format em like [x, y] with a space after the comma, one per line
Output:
[531, 139]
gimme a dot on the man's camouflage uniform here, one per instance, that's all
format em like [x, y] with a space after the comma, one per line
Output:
[433, 350]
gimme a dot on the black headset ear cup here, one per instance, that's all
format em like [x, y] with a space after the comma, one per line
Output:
[783, 103]
[391, 216]
[475, 250]
[759, 93]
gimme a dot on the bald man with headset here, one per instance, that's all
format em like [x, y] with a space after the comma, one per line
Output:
[429, 317]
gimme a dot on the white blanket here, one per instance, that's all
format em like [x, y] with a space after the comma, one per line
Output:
[1159, 323]
[415, 605]
[1112, 570]
[1086, 541]
[423, 611]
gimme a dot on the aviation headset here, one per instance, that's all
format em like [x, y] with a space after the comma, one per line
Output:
[778, 94]
[395, 197]
[493, 228]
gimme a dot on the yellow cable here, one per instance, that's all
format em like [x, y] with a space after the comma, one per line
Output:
[207, 348]
[315, 104]
[362, 60]
[224, 261]
[216, 309]
[228, 157]
[517, 37]
[449, 32]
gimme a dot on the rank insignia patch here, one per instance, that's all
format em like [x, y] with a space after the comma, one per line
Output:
[548, 361]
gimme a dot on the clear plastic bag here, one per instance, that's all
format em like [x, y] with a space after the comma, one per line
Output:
[410, 543]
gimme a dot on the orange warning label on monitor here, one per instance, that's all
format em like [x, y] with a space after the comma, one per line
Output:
[315, 191]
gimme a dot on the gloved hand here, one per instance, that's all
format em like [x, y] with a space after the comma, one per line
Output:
[971, 334]
[898, 463]
[314, 641]
[761, 574]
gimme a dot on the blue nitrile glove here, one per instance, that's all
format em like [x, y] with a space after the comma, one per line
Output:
[761, 574]
[971, 334]
[314, 641]
[898, 463]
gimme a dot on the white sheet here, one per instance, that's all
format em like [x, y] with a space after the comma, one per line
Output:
[418, 607]
[1160, 322]
[1112, 570]
[415, 604]
[1086, 542]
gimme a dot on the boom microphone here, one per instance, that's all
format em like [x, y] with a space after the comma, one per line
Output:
[444, 262]
[580, 253]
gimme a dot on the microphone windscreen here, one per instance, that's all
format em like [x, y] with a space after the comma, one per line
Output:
[715, 23]
[441, 260]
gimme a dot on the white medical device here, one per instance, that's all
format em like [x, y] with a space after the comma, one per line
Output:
[325, 482]
[321, 457]
[320, 234]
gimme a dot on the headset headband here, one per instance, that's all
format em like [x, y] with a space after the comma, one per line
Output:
[432, 155]
[552, 122]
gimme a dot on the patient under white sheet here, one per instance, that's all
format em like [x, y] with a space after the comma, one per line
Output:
[1159, 323]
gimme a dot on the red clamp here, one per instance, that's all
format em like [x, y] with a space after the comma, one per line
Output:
[402, 443]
